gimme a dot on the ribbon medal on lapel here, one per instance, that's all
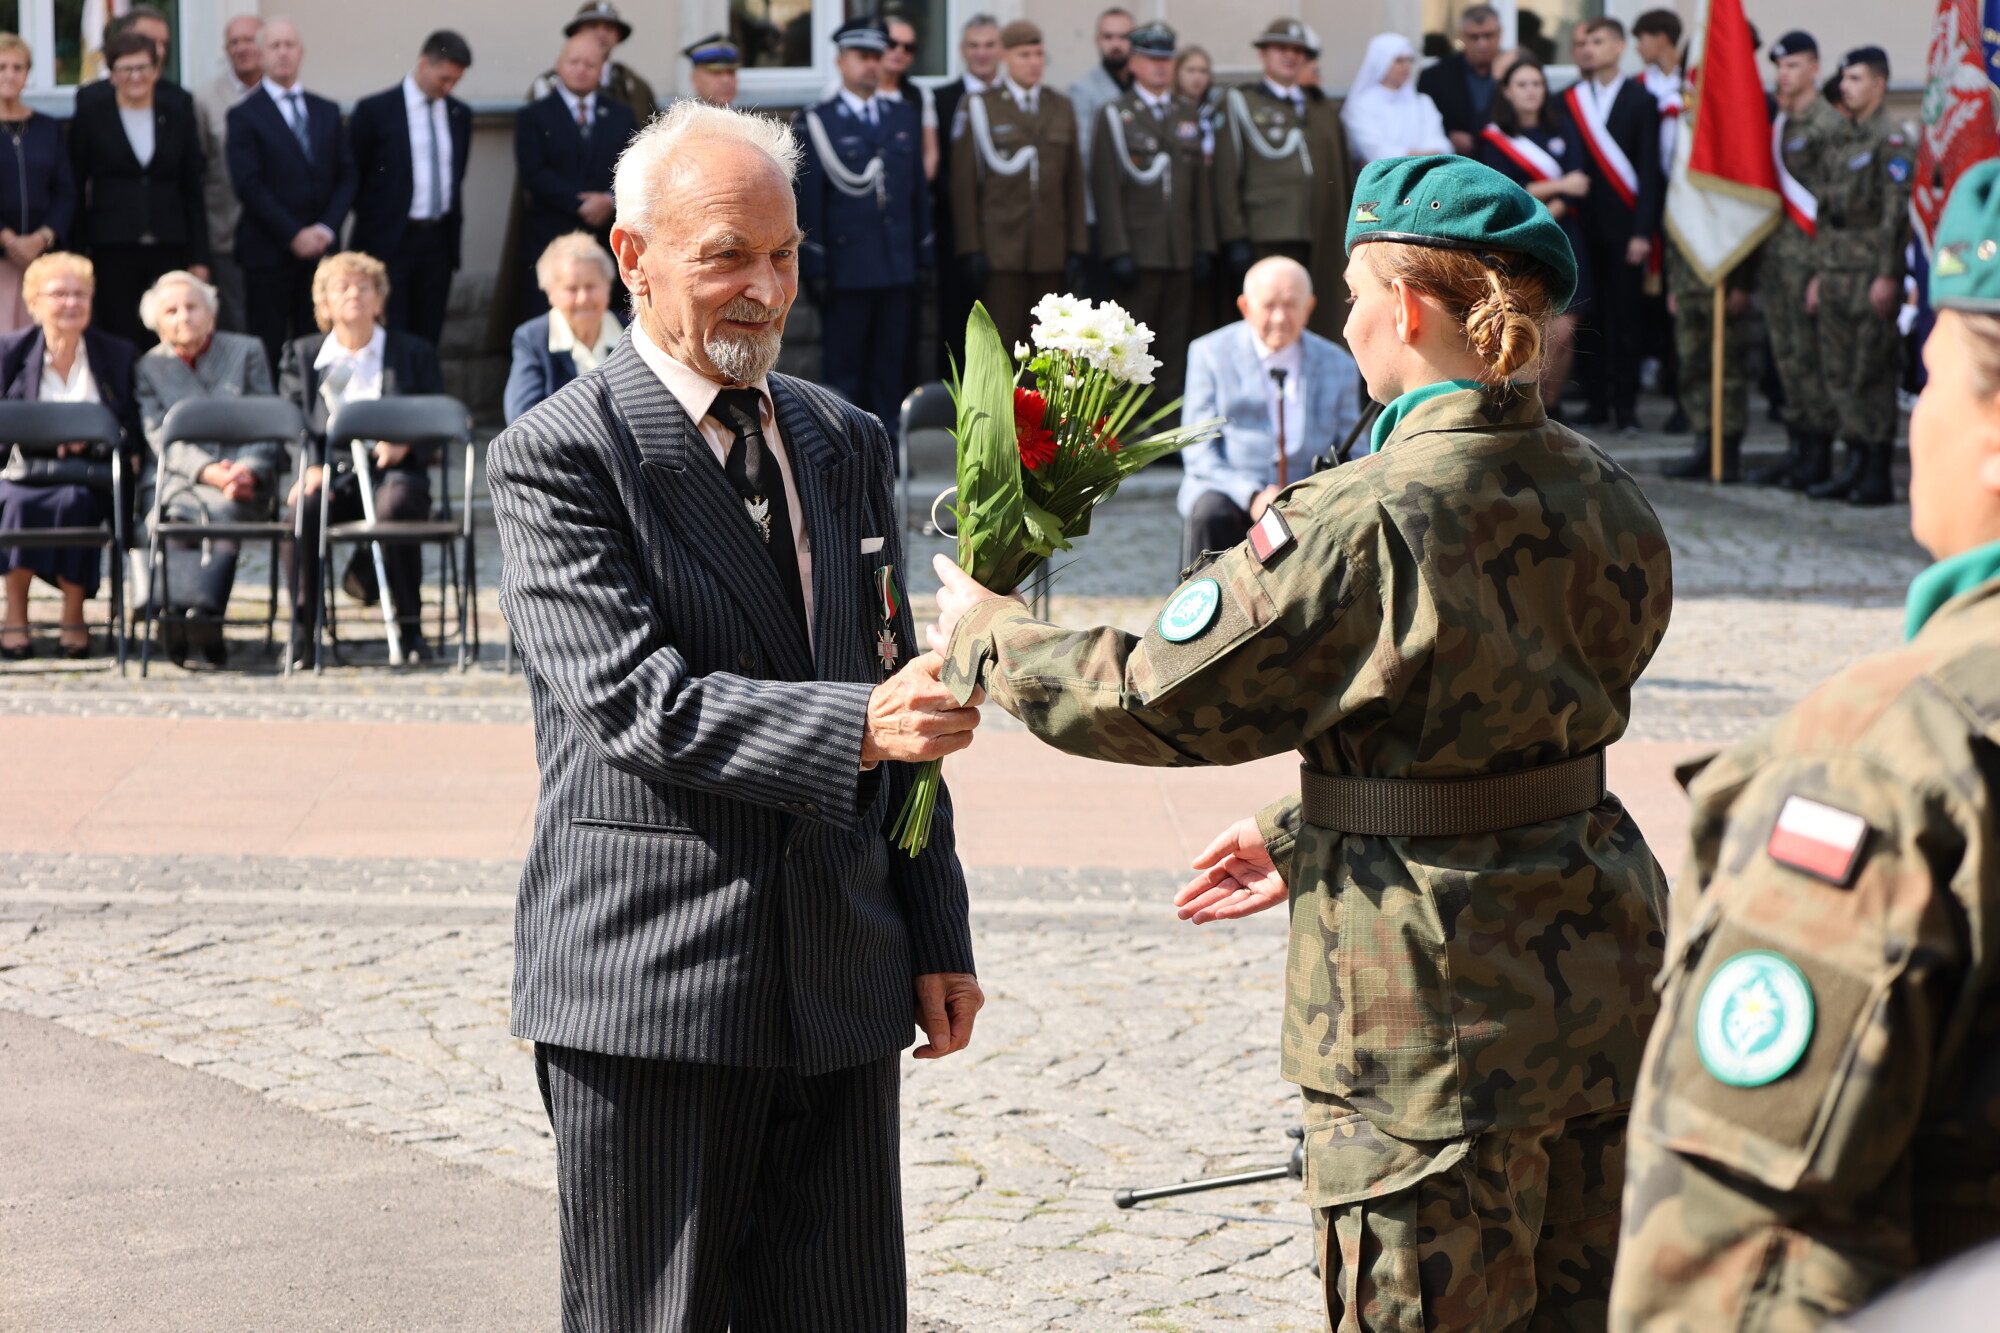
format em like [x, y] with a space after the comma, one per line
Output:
[759, 510]
[892, 602]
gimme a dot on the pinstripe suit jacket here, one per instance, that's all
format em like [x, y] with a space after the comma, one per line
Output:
[710, 878]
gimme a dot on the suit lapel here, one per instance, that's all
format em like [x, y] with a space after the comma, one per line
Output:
[704, 510]
[826, 474]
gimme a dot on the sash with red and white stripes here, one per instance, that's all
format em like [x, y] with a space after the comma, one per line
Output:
[1604, 149]
[1524, 153]
[1800, 205]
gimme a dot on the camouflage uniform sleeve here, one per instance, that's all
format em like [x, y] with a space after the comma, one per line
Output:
[1898, 163]
[1767, 1183]
[1285, 651]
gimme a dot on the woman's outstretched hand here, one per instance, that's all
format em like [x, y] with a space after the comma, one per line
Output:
[957, 593]
[1234, 878]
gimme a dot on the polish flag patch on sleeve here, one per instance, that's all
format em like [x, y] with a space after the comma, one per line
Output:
[1818, 839]
[1269, 535]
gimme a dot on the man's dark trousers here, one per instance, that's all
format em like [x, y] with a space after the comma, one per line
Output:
[863, 338]
[278, 304]
[1609, 368]
[1217, 523]
[699, 1198]
[420, 280]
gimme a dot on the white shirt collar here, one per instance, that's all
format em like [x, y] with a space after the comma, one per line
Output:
[277, 94]
[889, 94]
[588, 102]
[858, 105]
[332, 350]
[1291, 94]
[694, 391]
[80, 387]
[562, 338]
[974, 84]
[1157, 105]
[1289, 358]
[1025, 98]
[414, 97]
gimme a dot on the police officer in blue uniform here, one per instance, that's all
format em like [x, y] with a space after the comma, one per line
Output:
[866, 214]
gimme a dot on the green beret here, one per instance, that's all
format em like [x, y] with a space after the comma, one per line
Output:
[1965, 260]
[1454, 203]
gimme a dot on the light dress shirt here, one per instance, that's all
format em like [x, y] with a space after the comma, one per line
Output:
[1160, 105]
[80, 387]
[586, 105]
[1294, 94]
[562, 338]
[927, 101]
[973, 87]
[292, 106]
[430, 147]
[138, 122]
[863, 108]
[364, 384]
[696, 394]
[1288, 406]
[1025, 98]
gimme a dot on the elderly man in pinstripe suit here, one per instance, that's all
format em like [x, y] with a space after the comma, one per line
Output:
[719, 953]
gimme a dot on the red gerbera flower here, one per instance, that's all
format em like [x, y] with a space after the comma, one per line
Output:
[1109, 443]
[1035, 440]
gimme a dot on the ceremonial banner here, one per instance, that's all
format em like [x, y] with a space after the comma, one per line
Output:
[1958, 127]
[1723, 197]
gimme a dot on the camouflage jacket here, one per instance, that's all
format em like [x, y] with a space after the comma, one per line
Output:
[1776, 1205]
[1478, 597]
[1862, 180]
[1803, 144]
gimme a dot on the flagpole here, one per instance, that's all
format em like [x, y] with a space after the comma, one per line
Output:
[1715, 384]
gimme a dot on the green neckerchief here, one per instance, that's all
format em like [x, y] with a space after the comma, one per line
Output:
[1385, 424]
[1947, 579]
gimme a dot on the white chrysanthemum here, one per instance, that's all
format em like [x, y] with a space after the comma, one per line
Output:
[1058, 319]
[1132, 365]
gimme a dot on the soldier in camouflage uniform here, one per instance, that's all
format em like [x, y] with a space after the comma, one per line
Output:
[1864, 225]
[1805, 121]
[1692, 303]
[1816, 1114]
[1469, 992]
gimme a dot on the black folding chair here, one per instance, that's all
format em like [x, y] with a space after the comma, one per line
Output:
[422, 422]
[38, 431]
[928, 419]
[224, 421]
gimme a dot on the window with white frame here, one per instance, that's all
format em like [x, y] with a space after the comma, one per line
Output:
[66, 35]
[787, 45]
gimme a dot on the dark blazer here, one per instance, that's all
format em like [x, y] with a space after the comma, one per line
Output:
[870, 242]
[534, 372]
[409, 366]
[711, 878]
[124, 203]
[111, 363]
[1444, 83]
[282, 192]
[1635, 123]
[379, 132]
[40, 166]
[557, 163]
[948, 98]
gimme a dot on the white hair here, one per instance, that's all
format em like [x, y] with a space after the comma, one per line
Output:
[149, 304]
[657, 158]
[1277, 268]
[578, 247]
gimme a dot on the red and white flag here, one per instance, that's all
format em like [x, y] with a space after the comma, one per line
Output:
[1958, 125]
[1722, 195]
[1819, 839]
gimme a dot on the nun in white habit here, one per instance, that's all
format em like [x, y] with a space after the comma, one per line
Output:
[1385, 115]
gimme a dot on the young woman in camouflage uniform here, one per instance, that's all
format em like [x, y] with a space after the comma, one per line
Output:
[1447, 631]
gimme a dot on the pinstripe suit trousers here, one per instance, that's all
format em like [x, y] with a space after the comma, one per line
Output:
[699, 1198]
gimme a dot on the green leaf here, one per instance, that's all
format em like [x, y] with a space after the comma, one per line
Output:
[989, 463]
[1043, 530]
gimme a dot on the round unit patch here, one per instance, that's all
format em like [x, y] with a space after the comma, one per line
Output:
[1190, 611]
[1755, 1019]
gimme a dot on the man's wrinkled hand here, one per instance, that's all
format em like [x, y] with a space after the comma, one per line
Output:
[946, 1005]
[913, 718]
[1235, 877]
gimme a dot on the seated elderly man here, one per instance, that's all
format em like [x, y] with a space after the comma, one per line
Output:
[579, 331]
[1281, 390]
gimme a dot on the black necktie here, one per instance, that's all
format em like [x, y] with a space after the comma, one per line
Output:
[753, 470]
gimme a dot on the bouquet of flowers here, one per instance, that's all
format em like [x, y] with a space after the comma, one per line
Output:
[1044, 437]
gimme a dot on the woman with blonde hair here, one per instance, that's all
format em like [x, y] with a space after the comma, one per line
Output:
[37, 190]
[61, 359]
[353, 358]
[1447, 632]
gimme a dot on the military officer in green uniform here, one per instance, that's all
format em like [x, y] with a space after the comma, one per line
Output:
[1864, 225]
[1816, 1116]
[1692, 304]
[1155, 218]
[1265, 171]
[1447, 630]
[1805, 121]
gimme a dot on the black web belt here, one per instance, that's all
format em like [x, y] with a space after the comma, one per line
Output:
[1450, 807]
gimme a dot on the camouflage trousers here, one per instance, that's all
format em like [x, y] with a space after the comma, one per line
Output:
[1516, 1235]
[1861, 357]
[1795, 346]
[1694, 338]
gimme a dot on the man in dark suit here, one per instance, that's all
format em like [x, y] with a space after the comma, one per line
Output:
[293, 172]
[979, 52]
[1462, 83]
[566, 146]
[1618, 122]
[719, 954]
[410, 147]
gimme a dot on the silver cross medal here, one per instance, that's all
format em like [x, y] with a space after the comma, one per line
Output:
[759, 510]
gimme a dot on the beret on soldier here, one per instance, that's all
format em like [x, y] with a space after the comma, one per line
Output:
[1454, 203]
[1020, 33]
[1965, 260]
[1794, 43]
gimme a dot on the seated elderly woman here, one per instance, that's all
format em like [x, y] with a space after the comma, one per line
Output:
[62, 359]
[353, 359]
[193, 482]
[579, 331]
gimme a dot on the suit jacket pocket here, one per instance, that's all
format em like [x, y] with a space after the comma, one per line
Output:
[633, 829]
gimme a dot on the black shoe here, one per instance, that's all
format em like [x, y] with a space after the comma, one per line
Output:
[359, 580]
[299, 653]
[415, 647]
[1780, 472]
[174, 637]
[1678, 422]
[1875, 486]
[17, 652]
[1815, 462]
[1697, 466]
[1693, 467]
[1839, 487]
[206, 636]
